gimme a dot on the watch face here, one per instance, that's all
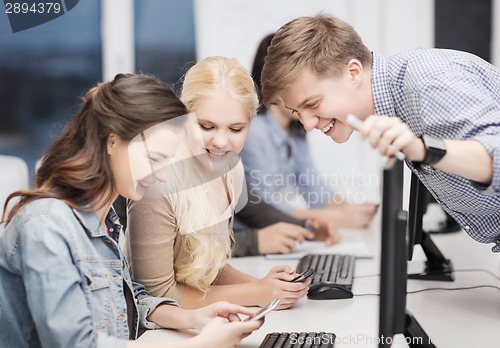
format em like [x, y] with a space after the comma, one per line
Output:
[435, 143]
[435, 149]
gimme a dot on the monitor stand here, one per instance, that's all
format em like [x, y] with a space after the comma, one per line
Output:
[415, 335]
[447, 226]
[437, 267]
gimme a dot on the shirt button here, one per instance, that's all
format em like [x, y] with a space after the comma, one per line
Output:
[121, 317]
[111, 229]
[467, 227]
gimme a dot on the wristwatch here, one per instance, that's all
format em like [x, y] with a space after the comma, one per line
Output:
[435, 149]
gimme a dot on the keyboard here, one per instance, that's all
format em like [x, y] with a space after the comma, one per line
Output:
[298, 339]
[332, 271]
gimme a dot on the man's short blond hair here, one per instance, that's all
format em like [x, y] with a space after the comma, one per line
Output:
[321, 43]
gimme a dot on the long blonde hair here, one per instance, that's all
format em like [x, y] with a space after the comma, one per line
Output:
[205, 239]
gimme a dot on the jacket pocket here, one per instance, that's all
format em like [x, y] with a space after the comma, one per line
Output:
[97, 289]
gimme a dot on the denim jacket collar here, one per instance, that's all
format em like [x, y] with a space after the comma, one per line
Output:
[93, 226]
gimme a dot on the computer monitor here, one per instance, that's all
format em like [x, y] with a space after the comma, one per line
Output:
[393, 316]
[393, 254]
[437, 267]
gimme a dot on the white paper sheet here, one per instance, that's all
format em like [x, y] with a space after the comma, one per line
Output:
[356, 247]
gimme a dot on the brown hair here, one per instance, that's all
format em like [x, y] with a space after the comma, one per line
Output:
[258, 64]
[296, 127]
[321, 43]
[76, 167]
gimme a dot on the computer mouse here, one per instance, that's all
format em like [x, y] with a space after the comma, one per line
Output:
[324, 291]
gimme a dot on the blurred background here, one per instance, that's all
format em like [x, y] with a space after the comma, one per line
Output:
[44, 70]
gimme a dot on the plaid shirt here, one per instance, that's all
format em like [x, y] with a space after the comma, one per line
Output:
[450, 95]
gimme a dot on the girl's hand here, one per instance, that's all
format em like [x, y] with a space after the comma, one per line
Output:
[281, 238]
[355, 215]
[348, 215]
[230, 312]
[223, 333]
[324, 231]
[277, 284]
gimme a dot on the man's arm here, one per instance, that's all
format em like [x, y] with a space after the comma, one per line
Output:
[466, 158]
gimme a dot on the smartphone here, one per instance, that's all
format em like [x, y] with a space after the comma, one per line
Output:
[303, 276]
[261, 313]
[310, 228]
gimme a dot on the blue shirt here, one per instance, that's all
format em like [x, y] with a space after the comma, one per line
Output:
[274, 160]
[450, 95]
[64, 282]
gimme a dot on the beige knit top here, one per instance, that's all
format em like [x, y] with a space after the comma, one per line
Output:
[153, 246]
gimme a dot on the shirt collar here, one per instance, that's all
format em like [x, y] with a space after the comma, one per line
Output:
[382, 97]
[277, 133]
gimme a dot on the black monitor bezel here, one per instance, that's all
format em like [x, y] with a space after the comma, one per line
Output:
[393, 257]
[416, 210]
[397, 239]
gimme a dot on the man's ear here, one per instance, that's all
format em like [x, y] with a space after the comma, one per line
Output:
[355, 69]
[112, 139]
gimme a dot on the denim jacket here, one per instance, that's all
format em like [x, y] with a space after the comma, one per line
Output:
[64, 281]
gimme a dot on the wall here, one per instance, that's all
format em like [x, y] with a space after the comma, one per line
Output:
[117, 32]
[495, 42]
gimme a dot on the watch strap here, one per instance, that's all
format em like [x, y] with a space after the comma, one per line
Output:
[435, 150]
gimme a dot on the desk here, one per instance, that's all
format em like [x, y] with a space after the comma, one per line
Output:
[466, 318]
